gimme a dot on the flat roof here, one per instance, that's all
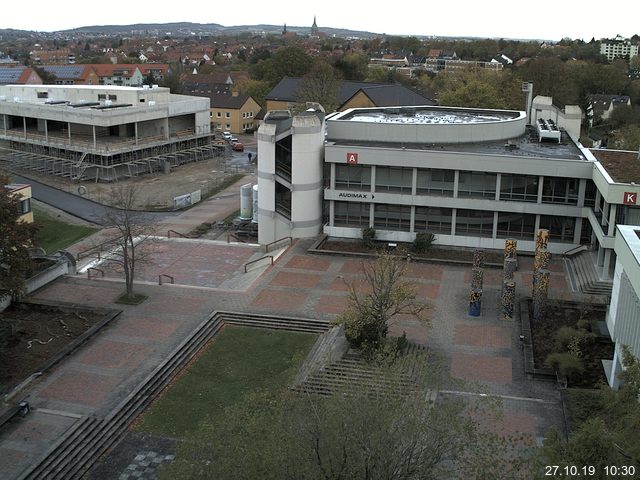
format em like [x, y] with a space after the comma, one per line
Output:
[524, 146]
[87, 87]
[622, 166]
[427, 115]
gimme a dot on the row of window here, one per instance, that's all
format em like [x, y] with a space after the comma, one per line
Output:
[228, 114]
[440, 182]
[475, 223]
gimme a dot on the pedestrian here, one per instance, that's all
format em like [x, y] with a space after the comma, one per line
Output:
[249, 155]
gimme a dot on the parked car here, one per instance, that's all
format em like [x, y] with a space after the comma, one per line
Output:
[227, 135]
[238, 147]
[233, 140]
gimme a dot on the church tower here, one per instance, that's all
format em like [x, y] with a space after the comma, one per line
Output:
[314, 28]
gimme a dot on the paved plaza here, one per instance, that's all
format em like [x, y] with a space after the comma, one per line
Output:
[482, 355]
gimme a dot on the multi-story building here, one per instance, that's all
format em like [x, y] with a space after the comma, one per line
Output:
[472, 177]
[102, 132]
[23, 193]
[72, 74]
[233, 113]
[618, 48]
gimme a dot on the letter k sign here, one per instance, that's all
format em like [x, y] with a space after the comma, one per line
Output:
[630, 198]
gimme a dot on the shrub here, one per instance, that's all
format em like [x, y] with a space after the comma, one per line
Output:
[368, 237]
[565, 364]
[423, 242]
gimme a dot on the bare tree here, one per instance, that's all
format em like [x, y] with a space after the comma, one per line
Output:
[129, 229]
[385, 295]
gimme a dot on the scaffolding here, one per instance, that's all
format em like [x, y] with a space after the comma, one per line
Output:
[109, 167]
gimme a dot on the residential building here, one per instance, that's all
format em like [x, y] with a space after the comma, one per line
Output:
[123, 74]
[285, 95]
[602, 106]
[23, 192]
[233, 113]
[618, 47]
[473, 177]
[623, 315]
[72, 74]
[19, 75]
[101, 132]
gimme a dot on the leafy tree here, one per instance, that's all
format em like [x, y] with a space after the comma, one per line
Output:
[15, 239]
[378, 74]
[288, 62]
[387, 294]
[129, 230]
[626, 138]
[482, 89]
[320, 85]
[349, 435]
[47, 77]
[352, 67]
[257, 89]
[172, 80]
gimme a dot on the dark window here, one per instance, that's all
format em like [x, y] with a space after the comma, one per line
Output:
[394, 179]
[353, 177]
[474, 223]
[590, 194]
[522, 188]
[435, 182]
[392, 217]
[560, 190]
[516, 225]
[351, 214]
[477, 185]
[25, 206]
[561, 229]
[433, 219]
[43, 94]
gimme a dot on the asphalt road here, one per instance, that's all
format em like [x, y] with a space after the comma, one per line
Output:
[75, 205]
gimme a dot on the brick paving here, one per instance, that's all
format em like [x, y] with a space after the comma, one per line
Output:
[480, 350]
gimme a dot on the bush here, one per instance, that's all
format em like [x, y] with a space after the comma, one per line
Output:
[565, 364]
[573, 340]
[368, 237]
[423, 242]
[361, 331]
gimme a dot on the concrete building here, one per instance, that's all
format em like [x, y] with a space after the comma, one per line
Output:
[569, 117]
[290, 175]
[618, 47]
[473, 177]
[623, 315]
[102, 132]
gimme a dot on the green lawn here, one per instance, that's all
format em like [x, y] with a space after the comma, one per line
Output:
[55, 234]
[238, 362]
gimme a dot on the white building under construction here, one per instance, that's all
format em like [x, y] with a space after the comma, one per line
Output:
[102, 132]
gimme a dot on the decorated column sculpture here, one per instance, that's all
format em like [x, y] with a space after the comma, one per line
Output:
[508, 299]
[508, 281]
[475, 302]
[540, 295]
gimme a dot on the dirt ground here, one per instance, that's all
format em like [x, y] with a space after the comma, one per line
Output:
[38, 334]
[156, 191]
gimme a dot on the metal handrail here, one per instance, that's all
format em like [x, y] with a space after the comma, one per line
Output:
[96, 269]
[79, 255]
[171, 279]
[266, 247]
[177, 233]
[236, 237]
[257, 260]
[573, 250]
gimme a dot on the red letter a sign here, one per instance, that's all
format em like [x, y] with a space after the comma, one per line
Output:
[352, 158]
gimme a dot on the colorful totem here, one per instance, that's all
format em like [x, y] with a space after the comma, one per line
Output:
[540, 294]
[475, 302]
[508, 299]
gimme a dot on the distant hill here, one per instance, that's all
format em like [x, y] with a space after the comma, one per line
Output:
[189, 28]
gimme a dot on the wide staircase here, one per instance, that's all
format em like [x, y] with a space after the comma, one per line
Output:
[73, 455]
[583, 275]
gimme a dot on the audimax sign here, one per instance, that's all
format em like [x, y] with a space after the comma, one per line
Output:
[363, 196]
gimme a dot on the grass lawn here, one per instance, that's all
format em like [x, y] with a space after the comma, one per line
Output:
[55, 234]
[238, 361]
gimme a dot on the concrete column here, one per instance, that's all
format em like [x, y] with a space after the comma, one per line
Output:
[373, 180]
[412, 224]
[332, 181]
[536, 225]
[606, 263]
[613, 210]
[46, 131]
[540, 187]
[582, 189]
[332, 212]
[24, 126]
[453, 219]
[5, 124]
[371, 214]
[69, 132]
[414, 184]
[166, 129]
[597, 200]
[93, 130]
[577, 233]
[498, 183]
[135, 127]
[456, 181]
[494, 231]
[600, 258]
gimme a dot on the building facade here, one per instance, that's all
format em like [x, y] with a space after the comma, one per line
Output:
[23, 192]
[618, 48]
[100, 132]
[233, 113]
[472, 177]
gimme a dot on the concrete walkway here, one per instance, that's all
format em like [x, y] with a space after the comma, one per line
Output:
[481, 354]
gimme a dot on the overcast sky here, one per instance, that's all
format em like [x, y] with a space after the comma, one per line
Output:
[546, 19]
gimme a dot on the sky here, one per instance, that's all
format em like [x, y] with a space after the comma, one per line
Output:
[549, 19]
